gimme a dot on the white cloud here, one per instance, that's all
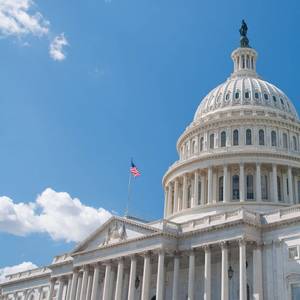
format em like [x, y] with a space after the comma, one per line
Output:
[25, 266]
[56, 49]
[19, 17]
[55, 213]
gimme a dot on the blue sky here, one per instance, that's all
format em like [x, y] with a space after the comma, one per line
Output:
[126, 85]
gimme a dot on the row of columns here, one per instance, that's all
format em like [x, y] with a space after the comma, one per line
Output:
[174, 203]
[90, 284]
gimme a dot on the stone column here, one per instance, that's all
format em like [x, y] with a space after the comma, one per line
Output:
[40, 291]
[68, 293]
[79, 286]
[191, 283]
[95, 286]
[166, 202]
[258, 183]
[243, 274]
[169, 205]
[119, 284]
[207, 273]
[225, 184]
[184, 191]
[176, 204]
[242, 182]
[85, 277]
[106, 285]
[274, 181]
[290, 184]
[132, 278]
[224, 273]
[160, 284]
[257, 271]
[196, 188]
[209, 185]
[146, 277]
[74, 284]
[60, 288]
[176, 277]
[89, 286]
[51, 288]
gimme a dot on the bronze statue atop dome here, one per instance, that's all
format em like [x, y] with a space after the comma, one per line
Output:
[244, 42]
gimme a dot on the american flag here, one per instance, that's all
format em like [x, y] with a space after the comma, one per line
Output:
[134, 170]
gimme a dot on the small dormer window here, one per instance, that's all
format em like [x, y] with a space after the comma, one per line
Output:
[294, 252]
[237, 95]
[247, 95]
[256, 95]
[266, 96]
[282, 103]
[227, 96]
[274, 100]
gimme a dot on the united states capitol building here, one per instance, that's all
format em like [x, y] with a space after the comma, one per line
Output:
[231, 225]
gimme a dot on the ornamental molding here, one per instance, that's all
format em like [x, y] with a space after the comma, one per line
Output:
[239, 121]
[209, 158]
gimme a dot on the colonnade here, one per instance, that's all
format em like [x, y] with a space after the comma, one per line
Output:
[84, 284]
[229, 183]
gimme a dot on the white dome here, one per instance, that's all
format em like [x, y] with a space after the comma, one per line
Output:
[245, 88]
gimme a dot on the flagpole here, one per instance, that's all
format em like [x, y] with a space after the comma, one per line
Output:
[128, 194]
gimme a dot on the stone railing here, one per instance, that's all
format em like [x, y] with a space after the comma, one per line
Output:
[281, 214]
[220, 218]
[26, 274]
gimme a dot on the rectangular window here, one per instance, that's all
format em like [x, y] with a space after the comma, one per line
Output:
[199, 192]
[294, 252]
[295, 291]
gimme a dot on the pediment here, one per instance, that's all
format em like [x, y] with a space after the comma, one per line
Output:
[114, 231]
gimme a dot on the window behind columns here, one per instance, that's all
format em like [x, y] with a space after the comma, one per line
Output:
[235, 137]
[279, 189]
[235, 187]
[221, 189]
[261, 137]
[298, 184]
[199, 192]
[295, 143]
[223, 139]
[212, 141]
[248, 137]
[295, 291]
[189, 196]
[264, 187]
[273, 138]
[284, 140]
[249, 182]
[201, 143]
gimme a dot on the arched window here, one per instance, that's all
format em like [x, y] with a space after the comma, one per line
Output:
[274, 138]
[279, 189]
[285, 141]
[221, 188]
[235, 187]
[264, 187]
[250, 189]
[223, 139]
[248, 137]
[295, 143]
[261, 136]
[235, 137]
[201, 143]
[212, 141]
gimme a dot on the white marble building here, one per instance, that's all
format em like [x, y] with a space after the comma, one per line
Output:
[231, 226]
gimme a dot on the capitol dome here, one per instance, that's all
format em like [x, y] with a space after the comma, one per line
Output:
[241, 149]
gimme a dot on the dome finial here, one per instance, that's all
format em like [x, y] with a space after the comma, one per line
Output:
[243, 32]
